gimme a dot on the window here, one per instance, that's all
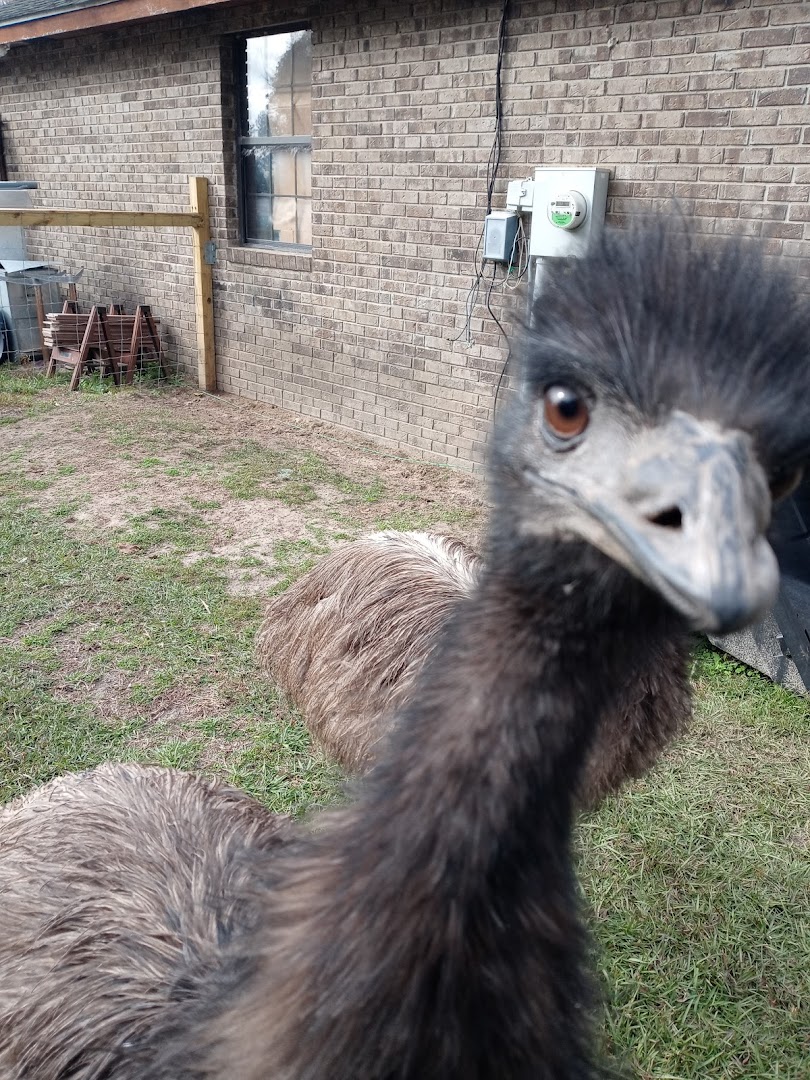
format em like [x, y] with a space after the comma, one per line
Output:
[275, 138]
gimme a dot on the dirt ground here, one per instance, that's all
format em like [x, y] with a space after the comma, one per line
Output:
[113, 458]
[178, 473]
[696, 875]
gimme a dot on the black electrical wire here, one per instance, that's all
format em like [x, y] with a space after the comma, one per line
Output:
[492, 174]
[472, 295]
[495, 153]
[489, 306]
[505, 338]
[493, 164]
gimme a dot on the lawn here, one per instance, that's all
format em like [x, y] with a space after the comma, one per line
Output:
[139, 532]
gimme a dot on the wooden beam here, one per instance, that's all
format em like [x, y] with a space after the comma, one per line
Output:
[98, 219]
[97, 17]
[40, 304]
[203, 287]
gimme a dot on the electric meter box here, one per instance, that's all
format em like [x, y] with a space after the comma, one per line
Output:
[568, 211]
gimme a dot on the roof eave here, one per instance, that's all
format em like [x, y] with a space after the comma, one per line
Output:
[98, 17]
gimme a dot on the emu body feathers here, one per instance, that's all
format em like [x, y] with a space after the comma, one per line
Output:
[347, 641]
[141, 876]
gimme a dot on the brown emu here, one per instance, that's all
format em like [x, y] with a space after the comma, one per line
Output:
[429, 930]
[347, 641]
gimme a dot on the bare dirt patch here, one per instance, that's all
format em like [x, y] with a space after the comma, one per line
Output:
[260, 491]
[107, 460]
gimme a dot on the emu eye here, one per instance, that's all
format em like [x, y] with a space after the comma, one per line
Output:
[784, 481]
[565, 412]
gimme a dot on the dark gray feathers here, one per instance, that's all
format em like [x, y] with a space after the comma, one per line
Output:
[661, 318]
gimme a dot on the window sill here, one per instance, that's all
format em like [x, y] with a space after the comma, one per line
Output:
[269, 259]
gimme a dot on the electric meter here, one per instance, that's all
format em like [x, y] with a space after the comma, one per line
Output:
[567, 210]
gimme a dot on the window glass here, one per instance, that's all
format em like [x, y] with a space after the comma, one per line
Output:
[276, 138]
[303, 174]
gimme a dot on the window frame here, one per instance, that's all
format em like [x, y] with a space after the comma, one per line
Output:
[240, 140]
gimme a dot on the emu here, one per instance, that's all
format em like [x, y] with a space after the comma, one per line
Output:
[158, 926]
[346, 642]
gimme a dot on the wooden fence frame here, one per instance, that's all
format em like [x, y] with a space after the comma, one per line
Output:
[195, 218]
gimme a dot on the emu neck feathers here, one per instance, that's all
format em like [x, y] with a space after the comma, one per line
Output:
[437, 918]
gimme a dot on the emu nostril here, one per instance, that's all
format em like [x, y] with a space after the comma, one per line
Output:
[668, 519]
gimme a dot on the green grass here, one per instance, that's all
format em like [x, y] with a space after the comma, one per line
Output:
[408, 518]
[148, 377]
[17, 381]
[697, 876]
[74, 614]
[699, 879]
[21, 393]
[290, 476]
[176, 529]
[241, 468]
[44, 736]
[154, 431]
[278, 766]
[291, 559]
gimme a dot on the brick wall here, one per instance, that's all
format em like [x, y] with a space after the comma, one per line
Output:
[702, 100]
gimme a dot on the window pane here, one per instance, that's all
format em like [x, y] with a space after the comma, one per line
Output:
[279, 114]
[302, 61]
[303, 172]
[276, 192]
[283, 173]
[258, 223]
[284, 229]
[304, 207]
[277, 105]
[274, 64]
[256, 164]
[302, 112]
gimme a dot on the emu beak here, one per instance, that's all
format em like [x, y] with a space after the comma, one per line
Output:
[691, 523]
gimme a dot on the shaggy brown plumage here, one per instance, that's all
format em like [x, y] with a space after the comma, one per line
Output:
[347, 641]
[140, 879]
[154, 927]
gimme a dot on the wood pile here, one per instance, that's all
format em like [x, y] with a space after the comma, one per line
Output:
[67, 330]
[113, 342]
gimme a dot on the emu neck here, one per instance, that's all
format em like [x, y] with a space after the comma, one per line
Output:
[436, 920]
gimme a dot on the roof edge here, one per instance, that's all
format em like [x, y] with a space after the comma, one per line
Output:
[98, 16]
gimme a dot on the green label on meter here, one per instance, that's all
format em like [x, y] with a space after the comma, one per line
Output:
[561, 217]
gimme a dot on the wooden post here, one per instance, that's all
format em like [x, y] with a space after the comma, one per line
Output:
[203, 287]
[40, 303]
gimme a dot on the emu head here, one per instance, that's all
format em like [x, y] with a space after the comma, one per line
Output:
[664, 405]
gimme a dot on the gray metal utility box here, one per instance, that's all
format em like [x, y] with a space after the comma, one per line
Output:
[19, 329]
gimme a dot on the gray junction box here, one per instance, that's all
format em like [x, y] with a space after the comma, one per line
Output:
[500, 233]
